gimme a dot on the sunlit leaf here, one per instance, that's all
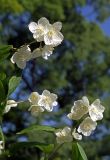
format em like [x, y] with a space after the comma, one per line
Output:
[13, 83]
[37, 128]
[78, 152]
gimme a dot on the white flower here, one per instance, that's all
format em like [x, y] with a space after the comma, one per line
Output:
[64, 135]
[48, 100]
[87, 126]
[76, 135]
[44, 31]
[35, 108]
[10, 103]
[34, 98]
[79, 109]
[54, 36]
[45, 52]
[39, 29]
[96, 110]
[1, 146]
[22, 55]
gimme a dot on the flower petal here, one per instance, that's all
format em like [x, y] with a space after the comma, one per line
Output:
[57, 26]
[43, 21]
[32, 27]
[53, 39]
[46, 93]
[36, 53]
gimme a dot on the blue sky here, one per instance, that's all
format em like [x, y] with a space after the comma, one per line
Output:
[90, 15]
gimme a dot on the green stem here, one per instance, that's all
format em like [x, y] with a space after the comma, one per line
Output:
[2, 135]
[54, 151]
[31, 42]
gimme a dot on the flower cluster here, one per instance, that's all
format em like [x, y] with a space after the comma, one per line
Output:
[22, 55]
[49, 36]
[42, 31]
[40, 103]
[91, 114]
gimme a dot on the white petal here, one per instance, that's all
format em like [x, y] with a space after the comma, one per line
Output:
[55, 103]
[34, 98]
[43, 21]
[49, 108]
[12, 103]
[38, 36]
[87, 126]
[66, 130]
[46, 93]
[86, 101]
[32, 27]
[69, 115]
[12, 59]
[57, 38]
[57, 26]
[7, 109]
[76, 135]
[36, 110]
[21, 64]
[36, 53]
[53, 39]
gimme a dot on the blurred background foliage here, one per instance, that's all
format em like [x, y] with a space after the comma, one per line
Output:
[79, 66]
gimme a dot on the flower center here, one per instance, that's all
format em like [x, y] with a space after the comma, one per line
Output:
[47, 100]
[87, 127]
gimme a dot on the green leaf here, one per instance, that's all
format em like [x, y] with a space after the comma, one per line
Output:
[13, 83]
[75, 152]
[78, 152]
[5, 51]
[2, 91]
[37, 128]
[47, 148]
[82, 152]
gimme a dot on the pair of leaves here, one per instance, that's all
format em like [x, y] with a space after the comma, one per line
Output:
[35, 128]
[78, 152]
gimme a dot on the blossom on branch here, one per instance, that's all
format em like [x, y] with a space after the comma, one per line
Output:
[44, 31]
[54, 36]
[9, 104]
[87, 126]
[35, 108]
[45, 52]
[79, 109]
[48, 100]
[64, 135]
[96, 110]
[76, 135]
[39, 103]
[39, 29]
[22, 55]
